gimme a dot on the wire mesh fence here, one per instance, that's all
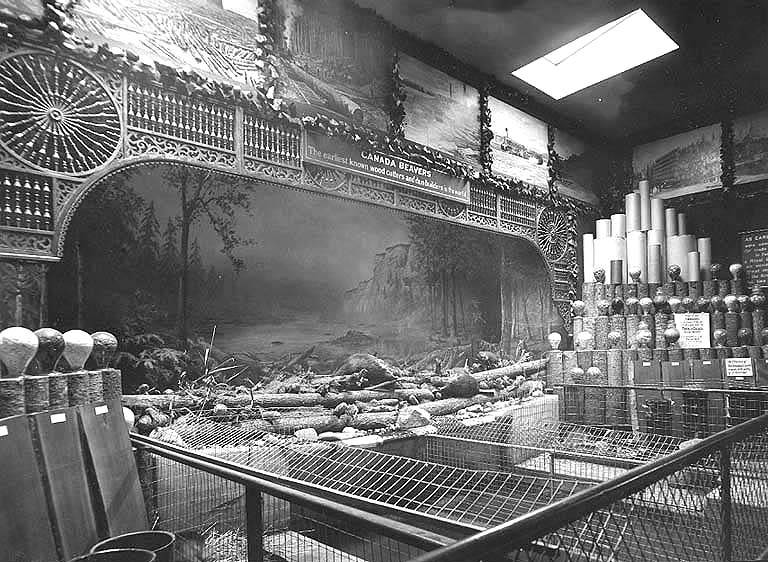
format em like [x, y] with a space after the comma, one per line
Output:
[708, 501]
[213, 521]
[406, 481]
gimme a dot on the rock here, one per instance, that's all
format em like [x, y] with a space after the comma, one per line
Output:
[306, 434]
[463, 386]
[412, 416]
[377, 371]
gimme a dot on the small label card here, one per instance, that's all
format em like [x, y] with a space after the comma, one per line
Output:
[739, 368]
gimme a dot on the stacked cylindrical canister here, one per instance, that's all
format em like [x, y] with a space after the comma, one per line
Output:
[33, 382]
[646, 238]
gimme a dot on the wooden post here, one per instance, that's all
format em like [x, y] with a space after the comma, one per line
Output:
[254, 524]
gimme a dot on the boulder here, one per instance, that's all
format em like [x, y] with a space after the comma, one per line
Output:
[412, 416]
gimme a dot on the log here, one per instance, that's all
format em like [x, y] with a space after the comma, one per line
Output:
[451, 405]
[163, 401]
[529, 367]
[374, 420]
[513, 370]
[320, 423]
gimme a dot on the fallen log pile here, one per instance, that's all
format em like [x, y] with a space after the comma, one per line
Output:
[320, 402]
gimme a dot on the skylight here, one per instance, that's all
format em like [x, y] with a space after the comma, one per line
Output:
[617, 46]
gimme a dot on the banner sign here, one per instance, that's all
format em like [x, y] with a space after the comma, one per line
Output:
[694, 330]
[384, 166]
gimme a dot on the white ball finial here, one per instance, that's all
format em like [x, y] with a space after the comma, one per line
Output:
[77, 348]
[554, 340]
[18, 347]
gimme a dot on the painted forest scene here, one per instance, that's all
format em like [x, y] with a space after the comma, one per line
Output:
[164, 255]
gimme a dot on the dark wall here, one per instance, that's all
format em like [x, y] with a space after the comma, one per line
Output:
[722, 217]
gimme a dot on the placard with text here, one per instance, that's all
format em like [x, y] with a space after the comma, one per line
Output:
[694, 330]
[384, 166]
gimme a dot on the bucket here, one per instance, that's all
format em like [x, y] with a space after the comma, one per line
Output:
[159, 542]
[118, 555]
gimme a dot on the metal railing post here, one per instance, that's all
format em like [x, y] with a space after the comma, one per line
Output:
[254, 524]
[725, 503]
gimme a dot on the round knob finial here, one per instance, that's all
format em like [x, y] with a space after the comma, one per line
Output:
[49, 349]
[77, 348]
[554, 340]
[104, 348]
[18, 346]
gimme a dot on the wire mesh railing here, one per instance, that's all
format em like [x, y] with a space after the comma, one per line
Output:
[220, 513]
[708, 501]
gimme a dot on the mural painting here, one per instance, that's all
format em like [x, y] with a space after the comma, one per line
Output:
[278, 272]
[578, 163]
[328, 56]
[750, 145]
[681, 164]
[334, 58]
[440, 111]
[519, 144]
[219, 40]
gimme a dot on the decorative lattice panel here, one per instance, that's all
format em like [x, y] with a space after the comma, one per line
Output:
[517, 211]
[272, 142]
[25, 200]
[482, 200]
[55, 115]
[182, 117]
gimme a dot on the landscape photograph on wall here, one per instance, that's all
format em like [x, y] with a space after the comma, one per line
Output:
[578, 163]
[440, 111]
[750, 147]
[680, 164]
[519, 144]
[335, 59]
[280, 273]
[219, 39]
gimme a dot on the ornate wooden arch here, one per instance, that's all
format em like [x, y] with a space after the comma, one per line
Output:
[69, 126]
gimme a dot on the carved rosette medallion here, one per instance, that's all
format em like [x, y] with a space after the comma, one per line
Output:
[552, 234]
[55, 115]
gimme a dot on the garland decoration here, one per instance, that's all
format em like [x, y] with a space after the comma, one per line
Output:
[397, 101]
[553, 164]
[486, 134]
[727, 164]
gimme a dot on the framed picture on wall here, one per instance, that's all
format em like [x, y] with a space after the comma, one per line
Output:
[681, 164]
[519, 144]
[181, 33]
[335, 58]
[750, 147]
[578, 163]
[440, 111]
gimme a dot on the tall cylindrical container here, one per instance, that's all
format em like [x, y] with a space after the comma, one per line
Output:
[682, 228]
[602, 229]
[645, 204]
[637, 253]
[658, 237]
[619, 225]
[704, 245]
[654, 263]
[632, 210]
[694, 269]
[670, 222]
[588, 251]
[657, 214]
